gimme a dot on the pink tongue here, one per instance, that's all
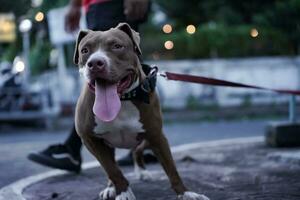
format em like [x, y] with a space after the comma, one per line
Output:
[107, 102]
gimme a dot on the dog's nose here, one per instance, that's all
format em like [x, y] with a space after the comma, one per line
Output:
[96, 64]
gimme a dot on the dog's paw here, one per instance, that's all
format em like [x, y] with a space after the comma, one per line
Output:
[108, 193]
[127, 195]
[192, 196]
[144, 175]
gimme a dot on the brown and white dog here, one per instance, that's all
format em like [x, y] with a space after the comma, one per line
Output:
[109, 61]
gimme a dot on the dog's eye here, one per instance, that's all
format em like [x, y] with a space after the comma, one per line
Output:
[118, 46]
[84, 50]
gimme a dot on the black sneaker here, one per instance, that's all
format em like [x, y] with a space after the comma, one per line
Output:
[126, 160]
[57, 156]
[150, 158]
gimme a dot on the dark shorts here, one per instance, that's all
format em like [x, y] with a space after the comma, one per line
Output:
[103, 16]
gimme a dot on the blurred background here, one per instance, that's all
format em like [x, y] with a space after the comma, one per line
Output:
[253, 42]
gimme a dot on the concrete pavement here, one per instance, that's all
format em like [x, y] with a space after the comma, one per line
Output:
[15, 144]
[228, 169]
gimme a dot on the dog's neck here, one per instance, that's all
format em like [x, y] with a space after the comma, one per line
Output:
[140, 77]
[141, 74]
[135, 84]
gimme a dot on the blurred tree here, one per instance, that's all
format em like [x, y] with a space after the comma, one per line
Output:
[284, 16]
[246, 10]
[183, 12]
[47, 5]
[279, 15]
[19, 7]
[224, 11]
[40, 46]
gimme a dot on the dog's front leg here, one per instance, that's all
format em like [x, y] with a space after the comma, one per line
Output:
[105, 155]
[160, 147]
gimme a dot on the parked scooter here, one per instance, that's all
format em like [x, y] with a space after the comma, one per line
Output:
[10, 86]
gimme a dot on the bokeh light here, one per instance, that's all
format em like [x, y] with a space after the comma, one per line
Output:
[169, 45]
[6, 26]
[39, 17]
[20, 66]
[254, 33]
[25, 25]
[167, 28]
[190, 29]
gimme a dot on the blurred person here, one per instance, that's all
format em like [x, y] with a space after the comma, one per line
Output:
[101, 15]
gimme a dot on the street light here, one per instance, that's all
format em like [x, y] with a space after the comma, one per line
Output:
[25, 27]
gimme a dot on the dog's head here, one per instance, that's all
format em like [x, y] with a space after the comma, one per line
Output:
[109, 56]
[109, 61]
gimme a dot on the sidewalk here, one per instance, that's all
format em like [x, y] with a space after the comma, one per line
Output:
[229, 169]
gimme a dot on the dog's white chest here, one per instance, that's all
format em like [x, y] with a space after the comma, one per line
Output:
[122, 132]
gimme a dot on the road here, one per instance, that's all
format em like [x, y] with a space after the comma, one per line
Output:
[16, 144]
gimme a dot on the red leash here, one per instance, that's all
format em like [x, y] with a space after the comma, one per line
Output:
[218, 82]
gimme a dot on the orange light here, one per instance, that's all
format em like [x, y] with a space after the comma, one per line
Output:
[39, 17]
[167, 28]
[169, 45]
[254, 33]
[190, 29]
[6, 26]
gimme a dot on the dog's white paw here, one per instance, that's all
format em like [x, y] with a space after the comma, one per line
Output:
[108, 193]
[142, 174]
[127, 195]
[192, 196]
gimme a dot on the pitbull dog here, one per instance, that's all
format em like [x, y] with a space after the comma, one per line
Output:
[110, 63]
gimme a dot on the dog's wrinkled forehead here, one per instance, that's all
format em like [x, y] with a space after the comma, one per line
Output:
[111, 41]
[98, 39]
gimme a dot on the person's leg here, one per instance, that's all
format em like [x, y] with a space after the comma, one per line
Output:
[74, 142]
[61, 156]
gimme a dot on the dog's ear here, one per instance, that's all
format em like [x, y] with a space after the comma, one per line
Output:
[80, 36]
[134, 36]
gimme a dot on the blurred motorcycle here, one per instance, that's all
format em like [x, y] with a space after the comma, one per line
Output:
[10, 86]
[14, 94]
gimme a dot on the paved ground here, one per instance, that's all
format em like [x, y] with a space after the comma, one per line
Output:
[226, 172]
[15, 144]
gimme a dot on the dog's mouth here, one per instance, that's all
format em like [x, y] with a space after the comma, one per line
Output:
[125, 83]
[107, 96]
[122, 85]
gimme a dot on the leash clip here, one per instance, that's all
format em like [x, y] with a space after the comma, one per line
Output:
[162, 74]
[153, 71]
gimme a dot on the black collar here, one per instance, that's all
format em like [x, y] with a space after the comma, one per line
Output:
[143, 90]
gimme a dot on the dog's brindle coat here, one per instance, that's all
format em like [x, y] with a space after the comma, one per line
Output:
[119, 50]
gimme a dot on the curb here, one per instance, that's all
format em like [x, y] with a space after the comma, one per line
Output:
[14, 190]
